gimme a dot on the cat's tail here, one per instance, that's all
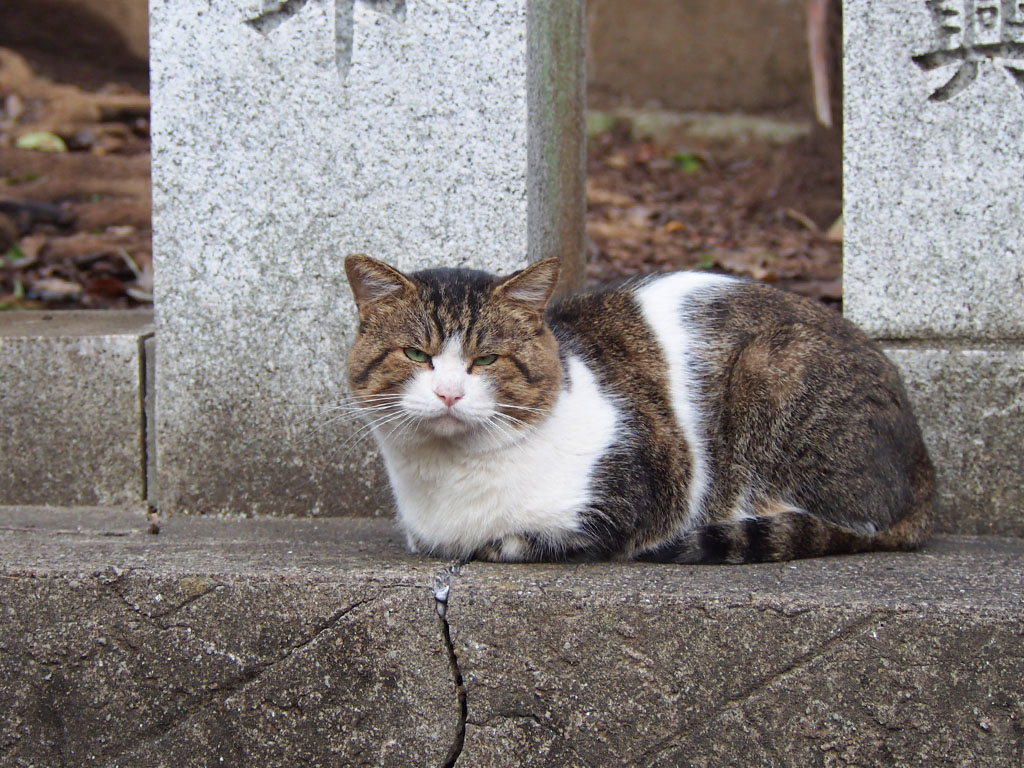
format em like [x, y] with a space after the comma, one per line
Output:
[785, 536]
[792, 534]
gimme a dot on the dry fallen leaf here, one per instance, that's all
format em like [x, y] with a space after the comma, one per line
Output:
[835, 232]
[599, 196]
[55, 289]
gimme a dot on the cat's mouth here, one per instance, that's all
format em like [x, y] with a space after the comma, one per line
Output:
[446, 416]
[448, 423]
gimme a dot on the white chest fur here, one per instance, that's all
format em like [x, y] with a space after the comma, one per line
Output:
[457, 500]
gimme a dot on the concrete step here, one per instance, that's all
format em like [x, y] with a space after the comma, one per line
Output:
[285, 642]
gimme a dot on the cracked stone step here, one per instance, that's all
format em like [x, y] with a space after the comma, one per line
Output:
[911, 659]
[217, 642]
[279, 642]
[879, 659]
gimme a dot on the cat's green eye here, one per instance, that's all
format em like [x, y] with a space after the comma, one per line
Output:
[417, 355]
[485, 360]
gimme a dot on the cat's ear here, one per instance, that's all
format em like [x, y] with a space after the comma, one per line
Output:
[372, 280]
[532, 286]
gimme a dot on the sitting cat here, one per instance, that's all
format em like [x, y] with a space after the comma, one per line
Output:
[685, 417]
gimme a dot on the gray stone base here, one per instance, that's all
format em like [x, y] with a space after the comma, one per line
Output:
[71, 407]
[217, 642]
[970, 402]
[315, 642]
[859, 661]
[72, 404]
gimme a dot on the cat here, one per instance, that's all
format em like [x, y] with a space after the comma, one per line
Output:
[686, 417]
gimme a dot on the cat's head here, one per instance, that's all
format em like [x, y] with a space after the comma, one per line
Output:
[453, 354]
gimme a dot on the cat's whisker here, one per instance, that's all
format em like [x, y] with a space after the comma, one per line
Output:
[347, 408]
[362, 413]
[349, 399]
[371, 408]
[520, 407]
[493, 428]
[502, 430]
[364, 432]
[397, 430]
[342, 418]
[350, 415]
[325, 415]
[348, 446]
[391, 414]
[508, 417]
[512, 420]
[362, 405]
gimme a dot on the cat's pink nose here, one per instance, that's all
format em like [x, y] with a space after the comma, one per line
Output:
[449, 397]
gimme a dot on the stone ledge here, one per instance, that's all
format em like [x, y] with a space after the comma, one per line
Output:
[315, 641]
[967, 396]
[217, 642]
[71, 406]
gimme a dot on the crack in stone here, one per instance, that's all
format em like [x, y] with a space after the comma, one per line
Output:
[513, 714]
[540, 721]
[185, 603]
[442, 593]
[249, 675]
[112, 577]
[253, 673]
[759, 686]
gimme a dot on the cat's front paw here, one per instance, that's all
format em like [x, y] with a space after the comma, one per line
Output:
[510, 549]
[413, 544]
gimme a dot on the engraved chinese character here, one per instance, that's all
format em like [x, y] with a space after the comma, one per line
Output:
[968, 32]
[273, 13]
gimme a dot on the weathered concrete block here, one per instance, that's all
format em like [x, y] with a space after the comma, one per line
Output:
[71, 407]
[218, 643]
[934, 247]
[698, 54]
[934, 94]
[282, 642]
[871, 660]
[970, 404]
[287, 134]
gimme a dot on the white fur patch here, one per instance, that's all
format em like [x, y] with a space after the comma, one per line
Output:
[664, 302]
[455, 496]
[743, 509]
[513, 548]
[448, 375]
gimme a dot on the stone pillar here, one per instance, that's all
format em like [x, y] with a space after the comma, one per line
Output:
[289, 133]
[934, 251]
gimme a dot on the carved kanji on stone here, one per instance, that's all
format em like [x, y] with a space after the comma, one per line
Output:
[968, 32]
[275, 12]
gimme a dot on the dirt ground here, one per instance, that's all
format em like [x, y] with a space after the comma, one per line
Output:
[756, 210]
[75, 227]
